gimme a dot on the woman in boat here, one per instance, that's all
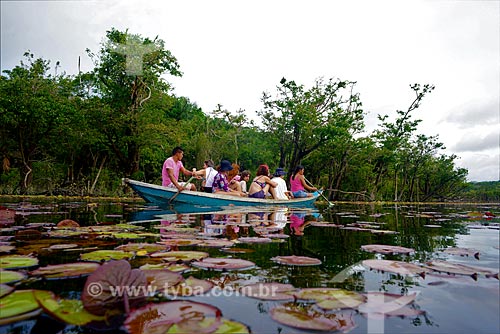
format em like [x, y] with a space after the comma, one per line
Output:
[298, 185]
[262, 184]
[220, 185]
[245, 177]
[208, 173]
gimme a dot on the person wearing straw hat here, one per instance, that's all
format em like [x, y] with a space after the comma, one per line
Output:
[172, 167]
[220, 185]
[281, 189]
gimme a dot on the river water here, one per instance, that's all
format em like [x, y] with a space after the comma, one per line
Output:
[445, 303]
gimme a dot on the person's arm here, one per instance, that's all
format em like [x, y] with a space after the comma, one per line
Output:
[186, 172]
[306, 186]
[271, 182]
[170, 173]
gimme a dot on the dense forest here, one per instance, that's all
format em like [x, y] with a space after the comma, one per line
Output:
[80, 134]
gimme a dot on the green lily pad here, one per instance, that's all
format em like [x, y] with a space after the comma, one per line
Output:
[137, 247]
[18, 304]
[127, 236]
[269, 291]
[331, 298]
[180, 242]
[106, 255]
[8, 276]
[17, 261]
[5, 290]
[70, 311]
[185, 256]
[175, 267]
[226, 326]
[67, 270]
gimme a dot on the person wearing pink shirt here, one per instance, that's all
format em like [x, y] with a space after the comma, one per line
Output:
[298, 185]
[172, 167]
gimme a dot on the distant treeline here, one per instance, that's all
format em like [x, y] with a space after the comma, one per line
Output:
[80, 134]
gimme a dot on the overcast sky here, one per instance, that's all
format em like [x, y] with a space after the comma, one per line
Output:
[232, 51]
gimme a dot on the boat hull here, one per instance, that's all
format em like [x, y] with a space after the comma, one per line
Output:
[162, 196]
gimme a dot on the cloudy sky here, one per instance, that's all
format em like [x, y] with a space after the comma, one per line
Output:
[232, 51]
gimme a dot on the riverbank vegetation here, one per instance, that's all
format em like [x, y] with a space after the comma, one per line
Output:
[80, 134]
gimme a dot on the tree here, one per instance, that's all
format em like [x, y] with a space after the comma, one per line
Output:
[303, 120]
[33, 105]
[127, 75]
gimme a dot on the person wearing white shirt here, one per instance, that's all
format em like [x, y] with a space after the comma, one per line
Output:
[281, 189]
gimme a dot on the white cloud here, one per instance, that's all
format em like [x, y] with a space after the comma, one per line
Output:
[478, 141]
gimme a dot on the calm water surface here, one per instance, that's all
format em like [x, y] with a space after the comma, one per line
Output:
[450, 304]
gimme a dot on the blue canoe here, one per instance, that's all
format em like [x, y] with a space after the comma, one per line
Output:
[162, 196]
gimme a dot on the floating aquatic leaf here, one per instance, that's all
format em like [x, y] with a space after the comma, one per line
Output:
[180, 242]
[17, 261]
[296, 260]
[126, 236]
[190, 287]
[136, 247]
[62, 246]
[398, 267]
[70, 311]
[158, 318]
[19, 305]
[5, 290]
[234, 250]
[254, 240]
[106, 255]
[175, 267]
[269, 291]
[226, 327]
[331, 298]
[185, 256]
[67, 270]
[216, 243]
[459, 269]
[6, 248]
[379, 304]
[159, 280]
[387, 249]
[67, 223]
[100, 291]
[9, 276]
[308, 319]
[462, 251]
[223, 264]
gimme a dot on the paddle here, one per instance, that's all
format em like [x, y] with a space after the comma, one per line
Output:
[177, 193]
[330, 204]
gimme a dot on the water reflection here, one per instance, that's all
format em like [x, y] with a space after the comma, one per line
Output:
[334, 236]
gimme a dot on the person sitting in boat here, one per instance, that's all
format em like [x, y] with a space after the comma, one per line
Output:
[298, 185]
[233, 177]
[220, 185]
[244, 178]
[281, 189]
[208, 173]
[262, 184]
[172, 167]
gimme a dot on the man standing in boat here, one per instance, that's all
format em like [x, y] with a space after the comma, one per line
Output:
[171, 169]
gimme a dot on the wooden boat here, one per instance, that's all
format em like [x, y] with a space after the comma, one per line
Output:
[162, 196]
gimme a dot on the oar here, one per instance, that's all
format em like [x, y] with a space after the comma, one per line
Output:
[177, 193]
[330, 204]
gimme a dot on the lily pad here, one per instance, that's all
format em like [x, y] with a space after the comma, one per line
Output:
[226, 326]
[459, 269]
[462, 251]
[106, 255]
[386, 249]
[185, 256]
[235, 250]
[180, 242]
[308, 319]
[254, 240]
[269, 291]
[175, 267]
[100, 294]
[70, 311]
[293, 260]
[5, 290]
[62, 246]
[17, 261]
[8, 276]
[398, 267]
[6, 248]
[67, 270]
[159, 317]
[331, 298]
[137, 247]
[67, 223]
[160, 280]
[190, 287]
[223, 264]
[18, 305]
[216, 243]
